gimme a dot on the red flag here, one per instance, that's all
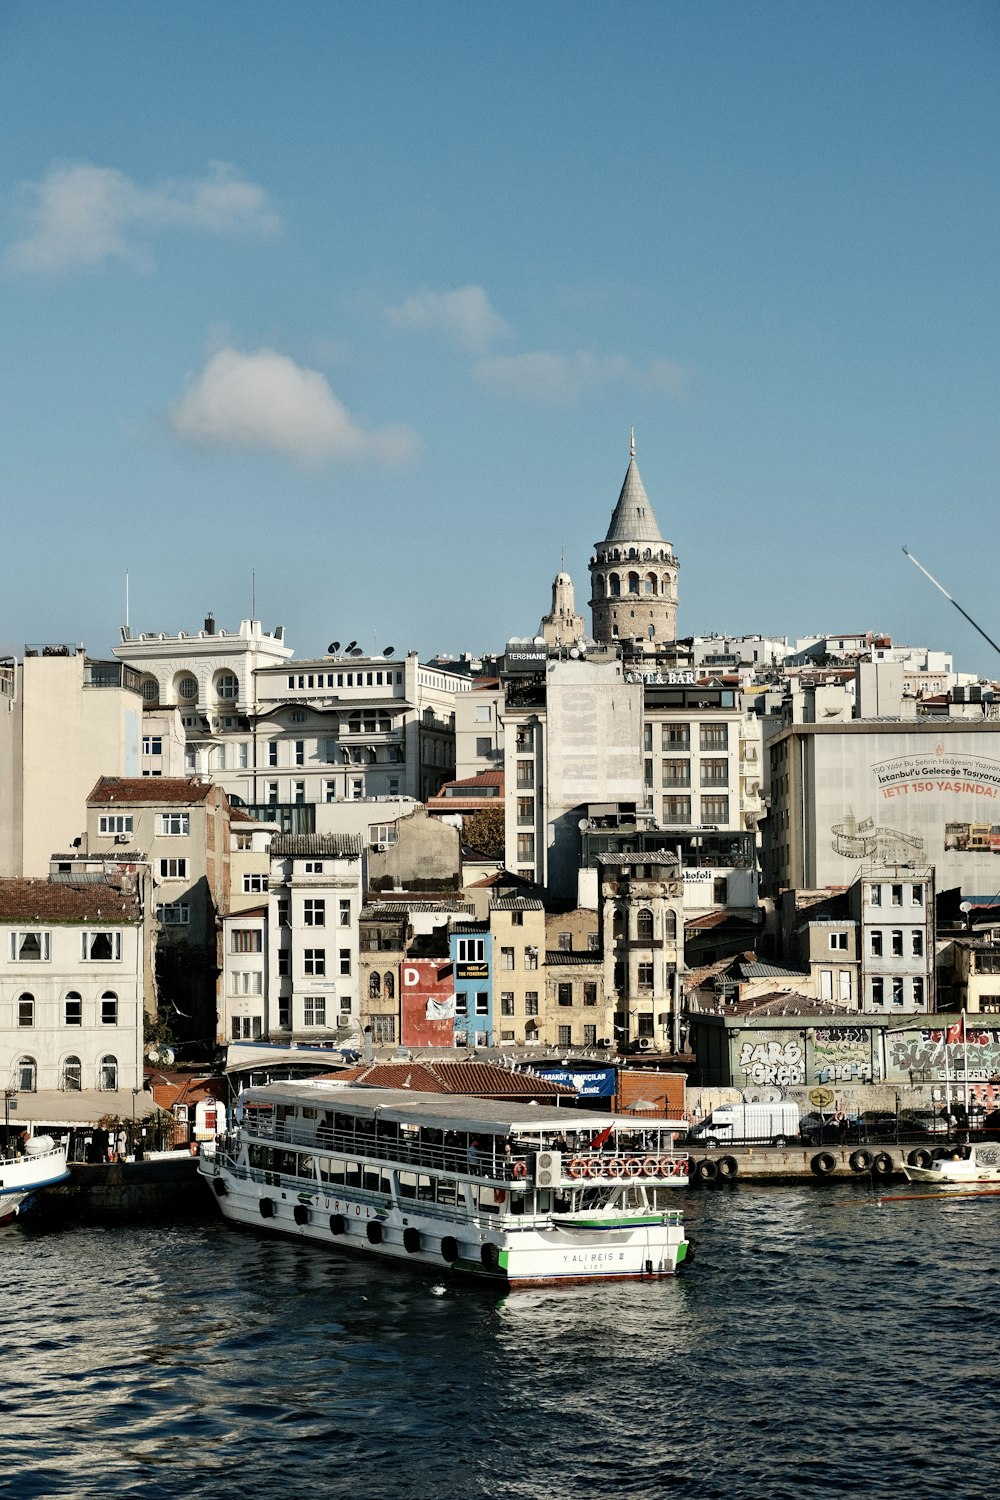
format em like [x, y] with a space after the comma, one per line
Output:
[599, 1140]
[955, 1033]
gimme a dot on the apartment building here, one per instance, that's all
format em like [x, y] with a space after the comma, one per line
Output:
[314, 911]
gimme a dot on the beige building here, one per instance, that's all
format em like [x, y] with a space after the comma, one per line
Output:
[65, 719]
[642, 939]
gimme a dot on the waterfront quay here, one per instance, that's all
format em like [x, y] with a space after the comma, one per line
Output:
[878, 1161]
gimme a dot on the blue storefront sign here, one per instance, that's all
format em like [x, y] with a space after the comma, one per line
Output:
[599, 1084]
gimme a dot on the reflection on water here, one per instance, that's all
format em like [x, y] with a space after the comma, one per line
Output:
[819, 1345]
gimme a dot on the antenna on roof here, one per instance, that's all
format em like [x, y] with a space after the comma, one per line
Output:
[126, 601]
[253, 593]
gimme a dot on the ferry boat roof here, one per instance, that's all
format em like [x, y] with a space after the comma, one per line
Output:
[446, 1111]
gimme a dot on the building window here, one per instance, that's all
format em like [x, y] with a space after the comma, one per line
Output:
[565, 942]
[175, 824]
[526, 775]
[897, 895]
[878, 990]
[248, 940]
[472, 950]
[150, 690]
[917, 943]
[345, 913]
[272, 752]
[590, 1036]
[284, 966]
[897, 943]
[564, 993]
[531, 958]
[26, 1010]
[246, 982]
[897, 991]
[389, 985]
[526, 810]
[314, 961]
[506, 958]
[507, 1003]
[101, 947]
[715, 809]
[26, 1074]
[523, 737]
[29, 947]
[565, 1036]
[114, 824]
[242, 755]
[345, 960]
[300, 752]
[875, 942]
[461, 1003]
[676, 773]
[715, 773]
[644, 925]
[645, 1026]
[72, 1074]
[272, 793]
[875, 895]
[314, 913]
[826, 984]
[254, 885]
[845, 984]
[152, 744]
[644, 976]
[918, 992]
[482, 1003]
[109, 1073]
[838, 942]
[676, 810]
[227, 687]
[109, 1008]
[714, 737]
[593, 942]
[590, 992]
[172, 869]
[383, 1030]
[374, 985]
[531, 1003]
[916, 895]
[720, 890]
[517, 919]
[175, 914]
[187, 689]
[314, 1010]
[675, 737]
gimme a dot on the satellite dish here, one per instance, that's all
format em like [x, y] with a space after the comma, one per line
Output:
[539, 640]
[583, 825]
[333, 648]
[355, 651]
[574, 652]
[168, 1055]
[388, 650]
[350, 646]
[965, 906]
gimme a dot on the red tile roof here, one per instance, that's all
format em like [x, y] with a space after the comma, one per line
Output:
[57, 901]
[481, 1080]
[181, 789]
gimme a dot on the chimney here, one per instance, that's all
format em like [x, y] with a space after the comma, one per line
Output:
[209, 624]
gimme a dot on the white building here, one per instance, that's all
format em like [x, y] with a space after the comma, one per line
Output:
[71, 987]
[312, 942]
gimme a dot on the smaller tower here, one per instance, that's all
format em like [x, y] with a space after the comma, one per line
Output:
[634, 571]
[563, 625]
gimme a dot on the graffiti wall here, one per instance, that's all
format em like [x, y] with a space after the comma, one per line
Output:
[922, 1054]
[841, 1054]
[773, 1057]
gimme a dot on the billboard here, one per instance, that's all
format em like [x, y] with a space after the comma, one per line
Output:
[598, 1083]
[525, 659]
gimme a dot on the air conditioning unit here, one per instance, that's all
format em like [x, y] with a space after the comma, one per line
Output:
[548, 1169]
[344, 1020]
[379, 848]
[121, 838]
[645, 1042]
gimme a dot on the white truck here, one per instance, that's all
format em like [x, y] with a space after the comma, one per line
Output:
[764, 1124]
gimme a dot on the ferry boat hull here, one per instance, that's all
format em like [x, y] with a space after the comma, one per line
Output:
[433, 1183]
[21, 1178]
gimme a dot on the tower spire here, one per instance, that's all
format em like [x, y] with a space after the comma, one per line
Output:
[631, 444]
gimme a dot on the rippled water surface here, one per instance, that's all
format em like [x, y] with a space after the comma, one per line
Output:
[818, 1345]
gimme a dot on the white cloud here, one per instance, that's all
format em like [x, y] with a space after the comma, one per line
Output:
[466, 315]
[563, 378]
[81, 215]
[266, 401]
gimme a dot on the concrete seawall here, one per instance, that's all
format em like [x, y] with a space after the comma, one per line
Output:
[163, 1187]
[877, 1162]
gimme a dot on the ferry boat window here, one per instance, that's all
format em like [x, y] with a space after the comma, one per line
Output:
[446, 1190]
[308, 1113]
[338, 1169]
[352, 1175]
[307, 1166]
[425, 1189]
[286, 1162]
[407, 1184]
[372, 1180]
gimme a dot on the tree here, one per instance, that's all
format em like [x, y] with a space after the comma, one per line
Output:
[484, 831]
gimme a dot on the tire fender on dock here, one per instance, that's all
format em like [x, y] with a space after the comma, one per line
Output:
[824, 1164]
[860, 1161]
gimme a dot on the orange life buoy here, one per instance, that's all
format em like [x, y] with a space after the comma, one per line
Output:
[650, 1167]
[666, 1166]
[499, 1196]
[614, 1167]
[575, 1168]
[520, 1170]
[633, 1167]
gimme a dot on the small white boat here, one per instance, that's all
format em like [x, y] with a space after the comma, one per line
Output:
[518, 1195]
[41, 1164]
[966, 1166]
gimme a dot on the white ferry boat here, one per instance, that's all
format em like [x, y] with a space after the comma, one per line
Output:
[523, 1195]
[42, 1164]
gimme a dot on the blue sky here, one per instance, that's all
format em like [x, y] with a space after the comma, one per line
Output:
[365, 299]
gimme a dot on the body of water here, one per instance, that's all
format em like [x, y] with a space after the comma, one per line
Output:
[819, 1345]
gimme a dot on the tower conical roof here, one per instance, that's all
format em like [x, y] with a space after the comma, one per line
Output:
[633, 519]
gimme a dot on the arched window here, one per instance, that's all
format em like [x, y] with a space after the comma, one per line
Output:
[150, 690]
[227, 687]
[390, 987]
[109, 1008]
[614, 585]
[26, 1074]
[619, 923]
[374, 986]
[665, 584]
[633, 583]
[25, 1009]
[649, 584]
[109, 1073]
[72, 1074]
[670, 926]
[187, 688]
[73, 1008]
[644, 925]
